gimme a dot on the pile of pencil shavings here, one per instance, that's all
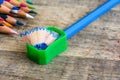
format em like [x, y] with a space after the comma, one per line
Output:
[44, 44]
[39, 37]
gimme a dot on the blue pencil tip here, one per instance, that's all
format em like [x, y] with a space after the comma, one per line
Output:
[41, 46]
[19, 23]
[15, 8]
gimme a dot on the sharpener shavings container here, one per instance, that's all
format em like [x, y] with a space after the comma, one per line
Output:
[43, 57]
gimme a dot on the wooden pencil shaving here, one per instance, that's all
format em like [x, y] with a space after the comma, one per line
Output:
[39, 37]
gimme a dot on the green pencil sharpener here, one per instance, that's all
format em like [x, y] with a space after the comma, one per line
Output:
[43, 57]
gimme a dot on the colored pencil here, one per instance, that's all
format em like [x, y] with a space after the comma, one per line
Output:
[19, 13]
[44, 56]
[6, 10]
[16, 3]
[11, 20]
[28, 5]
[85, 21]
[26, 9]
[7, 30]
[74, 28]
[28, 1]
[2, 21]
[10, 6]
[22, 14]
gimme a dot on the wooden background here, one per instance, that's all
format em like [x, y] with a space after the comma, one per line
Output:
[93, 54]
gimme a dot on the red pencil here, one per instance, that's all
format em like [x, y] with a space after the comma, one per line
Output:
[16, 3]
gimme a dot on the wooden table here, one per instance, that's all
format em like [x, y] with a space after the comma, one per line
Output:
[93, 54]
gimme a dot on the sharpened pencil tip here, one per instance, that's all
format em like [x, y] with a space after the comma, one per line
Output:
[14, 32]
[7, 24]
[31, 7]
[15, 8]
[29, 1]
[34, 12]
[29, 16]
[19, 23]
[41, 46]
[15, 11]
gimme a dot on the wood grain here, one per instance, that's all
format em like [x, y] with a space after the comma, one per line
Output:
[93, 54]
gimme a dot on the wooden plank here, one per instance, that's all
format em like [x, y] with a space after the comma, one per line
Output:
[93, 54]
[16, 66]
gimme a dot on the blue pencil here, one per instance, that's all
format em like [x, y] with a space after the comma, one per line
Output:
[95, 14]
[42, 53]
[85, 21]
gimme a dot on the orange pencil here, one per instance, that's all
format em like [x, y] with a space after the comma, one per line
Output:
[11, 20]
[4, 22]
[7, 30]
